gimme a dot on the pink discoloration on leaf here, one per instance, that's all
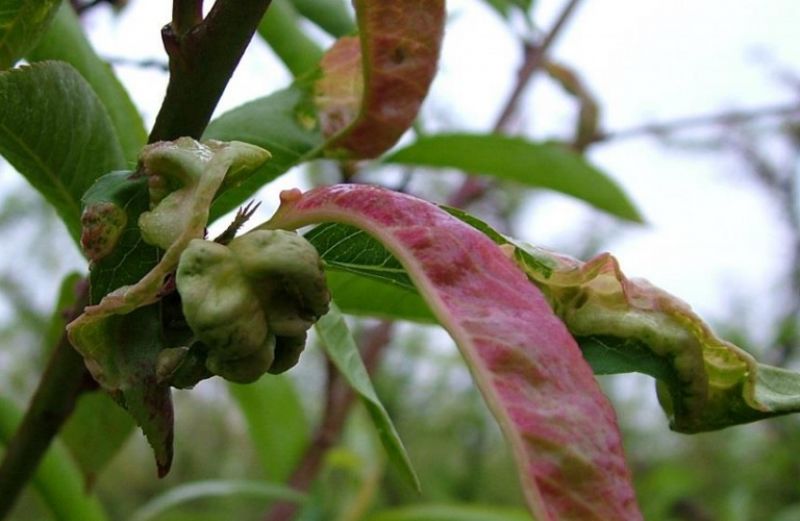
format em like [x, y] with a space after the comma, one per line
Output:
[562, 429]
[390, 71]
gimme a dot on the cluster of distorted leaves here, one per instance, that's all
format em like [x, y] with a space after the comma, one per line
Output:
[247, 301]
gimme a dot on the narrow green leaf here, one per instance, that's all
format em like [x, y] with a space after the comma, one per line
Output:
[343, 351]
[57, 479]
[539, 165]
[22, 23]
[95, 432]
[451, 513]
[208, 489]
[387, 301]
[66, 41]
[57, 134]
[283, 123]
[331, 15]
[358, 265]
[347, 248]
[276, 421]
[281, 29]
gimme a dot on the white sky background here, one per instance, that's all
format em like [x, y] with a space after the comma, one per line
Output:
[712, 237]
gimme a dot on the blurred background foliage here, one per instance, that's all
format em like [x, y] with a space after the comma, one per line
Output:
[230, 442]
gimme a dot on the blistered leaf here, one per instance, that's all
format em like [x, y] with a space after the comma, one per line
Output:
[56, 133]
[22, 23]
[561, 428]
[120, 335]
[343, 351]
[120, 352]
[251, 302]
[629, 325]
[372, 86]
[708, 383]
[538, 165]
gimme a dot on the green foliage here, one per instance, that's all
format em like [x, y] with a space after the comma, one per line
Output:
[57, 479]
[21, 25]
[276, 422]
[281, 29]
[65, 41]
[283, 123]
[332, 16]
[540, 165]
[207, 489]
[450, 513]
[343, 351]
[79, 144]
[95, 433]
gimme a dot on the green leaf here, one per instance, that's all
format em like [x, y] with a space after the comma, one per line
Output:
[450, 513]
[387, 301]
[22, 23]
[283, 123]
[343, 351]
[95, 432]
[332, 15]
[347, 248]
[56, 133]
[66, 41]
[130, 257]
[539, 165]
[358, 265]
[281, 29]
[208, 489]
[276, 421]
[57, 479]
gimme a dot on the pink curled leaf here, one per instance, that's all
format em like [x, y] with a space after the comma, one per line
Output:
[371, 87]
[561, 428]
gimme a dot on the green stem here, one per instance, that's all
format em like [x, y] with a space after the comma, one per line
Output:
[201, 61]
[63, 381]
[331, 15]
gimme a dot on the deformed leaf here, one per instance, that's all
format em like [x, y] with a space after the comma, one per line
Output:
[372, 86]
[120, 352]
[352, 274]
[120, 336]
[343, 351]
[561, 428]
[22, 23]
[706, 382]
[539, 165]
[57, 134]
